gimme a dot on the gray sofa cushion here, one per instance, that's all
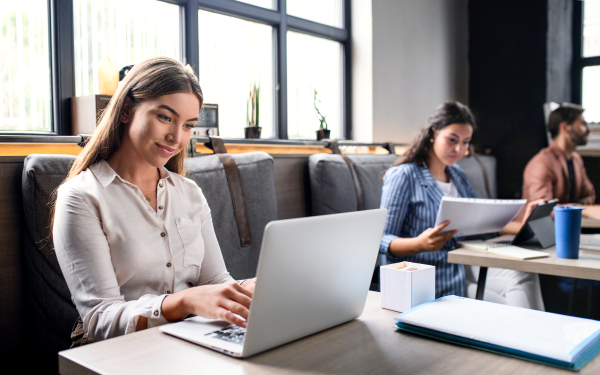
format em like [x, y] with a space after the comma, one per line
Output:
[475, 174]
[332, 187]
[256, 173]
[52, 313]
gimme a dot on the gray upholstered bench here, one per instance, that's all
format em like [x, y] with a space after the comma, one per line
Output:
[50, 307]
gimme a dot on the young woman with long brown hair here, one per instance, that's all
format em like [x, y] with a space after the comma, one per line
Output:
[412, 192]
[134, 237]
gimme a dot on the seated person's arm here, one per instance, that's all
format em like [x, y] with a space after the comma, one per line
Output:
[429, 240]
[591, 212]
[515, 226]
[396, 197]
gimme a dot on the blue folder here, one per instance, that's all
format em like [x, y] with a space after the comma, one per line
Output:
[585, 348]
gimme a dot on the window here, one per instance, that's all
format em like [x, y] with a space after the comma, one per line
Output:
[314, 65]
[125, 32]
[289, 48]
[25, 94]
[327, 12]
[586, 58]
[230, 63]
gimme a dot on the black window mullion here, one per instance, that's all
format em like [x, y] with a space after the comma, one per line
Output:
[62, 60]
[317, 29]
[190, 36]
[347, 89]
[282, 120]
[241, 10]
[577, 68]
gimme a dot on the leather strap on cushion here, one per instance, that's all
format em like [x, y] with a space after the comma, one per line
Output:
[357, 187]
[235, 188]
[390, 147]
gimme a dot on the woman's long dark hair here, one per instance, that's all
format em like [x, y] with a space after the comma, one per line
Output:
[446, 114]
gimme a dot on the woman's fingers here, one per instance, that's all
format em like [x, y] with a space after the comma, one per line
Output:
[437, 229]
[243, 289]
[230, 317]
[236, 308]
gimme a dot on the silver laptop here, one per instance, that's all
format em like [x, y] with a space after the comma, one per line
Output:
[313, 273]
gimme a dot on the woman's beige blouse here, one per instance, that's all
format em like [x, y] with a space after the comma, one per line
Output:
[120, 258]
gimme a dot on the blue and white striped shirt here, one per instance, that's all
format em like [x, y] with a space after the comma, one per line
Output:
[413, 198]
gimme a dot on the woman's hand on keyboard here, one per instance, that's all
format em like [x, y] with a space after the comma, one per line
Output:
[229, 302]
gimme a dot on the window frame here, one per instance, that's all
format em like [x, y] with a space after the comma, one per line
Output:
[579, 62]
[62, 55]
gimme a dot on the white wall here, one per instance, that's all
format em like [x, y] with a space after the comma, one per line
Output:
[362, 70]
[419, 60]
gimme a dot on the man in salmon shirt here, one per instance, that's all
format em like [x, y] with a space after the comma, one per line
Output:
[557, 171]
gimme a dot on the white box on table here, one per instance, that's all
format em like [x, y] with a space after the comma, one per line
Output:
[404, 288]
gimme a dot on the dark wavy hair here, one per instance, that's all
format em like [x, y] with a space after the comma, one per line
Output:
[446, 114]
[567, 112]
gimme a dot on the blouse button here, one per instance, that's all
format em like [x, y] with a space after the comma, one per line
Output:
[160, 184]
[162, 234]
[169, 264]
[156, 313]
[160, 207]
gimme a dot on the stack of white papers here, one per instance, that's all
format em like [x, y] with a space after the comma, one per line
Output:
[471, 216]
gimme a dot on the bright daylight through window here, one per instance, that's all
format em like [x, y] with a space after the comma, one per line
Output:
[25, 69]
[234, 56]
[124, 32]
[590, 95]
[314, 80]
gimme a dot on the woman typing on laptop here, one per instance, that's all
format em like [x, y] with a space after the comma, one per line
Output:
[412, 192]
[133, 236]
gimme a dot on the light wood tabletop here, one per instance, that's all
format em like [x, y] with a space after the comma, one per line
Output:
[367, 345]
[586, 267]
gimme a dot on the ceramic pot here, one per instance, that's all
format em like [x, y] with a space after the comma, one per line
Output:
[323, 134]
[252, 132]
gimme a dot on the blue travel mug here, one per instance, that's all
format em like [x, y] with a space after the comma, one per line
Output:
[567, 226]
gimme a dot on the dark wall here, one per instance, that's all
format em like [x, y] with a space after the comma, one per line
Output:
[510, 79]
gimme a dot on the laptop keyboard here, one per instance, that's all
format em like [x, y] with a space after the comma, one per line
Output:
[233, 334]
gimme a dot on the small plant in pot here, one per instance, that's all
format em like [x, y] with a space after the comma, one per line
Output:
[252, 112]
[323, 132]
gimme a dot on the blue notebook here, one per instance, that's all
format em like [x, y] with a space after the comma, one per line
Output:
[551, 339]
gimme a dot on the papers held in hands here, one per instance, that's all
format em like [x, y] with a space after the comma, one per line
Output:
[552, 339]
[503, 249]
[470, 216]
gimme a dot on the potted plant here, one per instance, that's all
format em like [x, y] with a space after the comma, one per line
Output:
[323, 132]
[252, 112]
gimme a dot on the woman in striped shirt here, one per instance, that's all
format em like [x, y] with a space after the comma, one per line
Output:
[412, 193]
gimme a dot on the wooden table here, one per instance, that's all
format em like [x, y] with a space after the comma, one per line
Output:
[367, 345]
[586, 267]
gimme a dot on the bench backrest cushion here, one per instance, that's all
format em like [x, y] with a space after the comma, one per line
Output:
[332, 186]
[474, 173]
[256, 174]
[52, 313]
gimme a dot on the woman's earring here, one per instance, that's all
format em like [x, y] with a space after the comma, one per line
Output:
[430, 140]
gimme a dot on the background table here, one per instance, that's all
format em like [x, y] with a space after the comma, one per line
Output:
[586, 267]
[369, 344]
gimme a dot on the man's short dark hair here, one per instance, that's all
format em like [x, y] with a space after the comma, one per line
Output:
[565, 113]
